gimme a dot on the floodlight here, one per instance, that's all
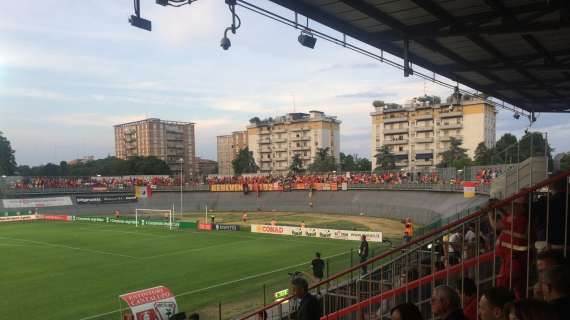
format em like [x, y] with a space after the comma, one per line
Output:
[140, 23]
[306, 39]
[517, 115]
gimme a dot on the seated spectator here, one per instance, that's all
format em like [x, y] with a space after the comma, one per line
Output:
[492, 303]
[529, 310]
[469, 298]
[556, 288]
[262, 315]
[405, 311]
[446, 304]
[545, 260]
[309, 307]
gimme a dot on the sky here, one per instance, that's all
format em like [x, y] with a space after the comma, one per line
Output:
[70, 70]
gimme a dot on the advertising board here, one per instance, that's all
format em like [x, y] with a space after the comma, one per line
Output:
[19, 218]
[37, 202]
[102, 199]
[156, 303]
[371, 236]
[205, 226]
[226, 227]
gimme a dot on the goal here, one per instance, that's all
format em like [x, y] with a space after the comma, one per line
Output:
[156, 216]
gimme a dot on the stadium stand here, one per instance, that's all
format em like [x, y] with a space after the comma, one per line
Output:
[507, 241]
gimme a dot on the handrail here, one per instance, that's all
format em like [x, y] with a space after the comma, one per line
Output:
[411, 285]
[523, 192]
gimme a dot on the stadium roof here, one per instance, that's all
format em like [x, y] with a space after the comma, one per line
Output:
[515, 50]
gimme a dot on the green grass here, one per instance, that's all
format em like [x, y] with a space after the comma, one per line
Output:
[77, 270]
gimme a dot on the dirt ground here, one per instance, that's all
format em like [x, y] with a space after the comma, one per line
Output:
[389, 227]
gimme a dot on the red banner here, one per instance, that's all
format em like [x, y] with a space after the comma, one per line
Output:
[60, 217]
[205, 226]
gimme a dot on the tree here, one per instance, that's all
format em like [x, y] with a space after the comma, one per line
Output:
[505, 149]
[565, 162]
[430, 99]
[455, 156]
[296, 164]
[323, 162]
[347, 162]
[482, 154]
[363, 165]
[539, 147]
[385, 160]
[244, 162]
[7, 158]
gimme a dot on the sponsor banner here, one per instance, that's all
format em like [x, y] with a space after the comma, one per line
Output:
[142, 192]
[101, 199]
[19, 218]
[226, 227]
[60, 217]
[204, 226]
[98, 189]
[89, 219]
[37, 202]
[17, 213]
[317, 232]
[156, 303]
[469, 189]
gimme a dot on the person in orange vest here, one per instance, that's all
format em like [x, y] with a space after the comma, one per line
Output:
[408, 230]
[511, 245]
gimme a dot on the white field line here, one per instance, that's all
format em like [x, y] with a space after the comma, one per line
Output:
[72, 248]
[220, 285]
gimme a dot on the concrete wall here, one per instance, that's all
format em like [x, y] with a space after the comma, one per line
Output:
[423, 207]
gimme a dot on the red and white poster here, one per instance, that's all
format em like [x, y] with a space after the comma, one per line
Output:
[156, 303]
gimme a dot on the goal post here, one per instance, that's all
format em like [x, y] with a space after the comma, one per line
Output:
[154, 213]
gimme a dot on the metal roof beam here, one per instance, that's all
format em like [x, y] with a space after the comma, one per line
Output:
[423, 32]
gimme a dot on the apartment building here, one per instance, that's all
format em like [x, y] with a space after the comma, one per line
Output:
[418, 132]
[228, 147]
[170, 141]
[275, 141]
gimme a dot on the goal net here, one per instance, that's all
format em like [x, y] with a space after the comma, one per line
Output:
[154, 217]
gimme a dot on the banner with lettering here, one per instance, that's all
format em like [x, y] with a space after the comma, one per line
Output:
[156, 303]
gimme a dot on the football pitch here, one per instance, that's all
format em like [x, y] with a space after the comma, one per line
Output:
[77, 270]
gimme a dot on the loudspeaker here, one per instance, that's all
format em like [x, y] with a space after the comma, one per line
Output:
[307, 40]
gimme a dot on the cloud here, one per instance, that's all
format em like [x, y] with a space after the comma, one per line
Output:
[368, 94]
[92, 119]
[35, 93]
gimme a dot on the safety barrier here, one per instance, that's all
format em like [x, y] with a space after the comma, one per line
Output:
[472, 247]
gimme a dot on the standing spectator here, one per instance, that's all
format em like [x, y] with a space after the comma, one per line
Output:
[405, 311]
[309, 308]
[492, 303]
[556, 288]
[469, 298]
[244, 217]
[530, 310]
[511, 246]
[454, 248]
[273, 222]
[408, 229]
[318, 266]
[363, 253]
[446, 304]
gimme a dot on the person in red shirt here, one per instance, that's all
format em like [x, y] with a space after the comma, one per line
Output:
[511, 245]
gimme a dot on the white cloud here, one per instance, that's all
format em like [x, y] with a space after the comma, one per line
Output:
[92, 119]
[35, 93]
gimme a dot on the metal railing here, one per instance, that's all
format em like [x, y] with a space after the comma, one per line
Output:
[483, 246]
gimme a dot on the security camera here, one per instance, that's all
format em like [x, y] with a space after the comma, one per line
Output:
[225, 43]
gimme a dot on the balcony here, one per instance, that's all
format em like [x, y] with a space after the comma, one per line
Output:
[264, 149]
[396, 130]
[305, 138]
[397, 119]
[451, 114]
[402, 163]
[280, 149]
[424, 162]
[264, 141]
[451, 126]
[300, 129]
[266, 159]
[447, 138]
[300, 148]
[424, 117]
[423, 151]
[279, 140]
[424, 128]
[279, 130]
[400, 153]
[394, 142]
[423, 140]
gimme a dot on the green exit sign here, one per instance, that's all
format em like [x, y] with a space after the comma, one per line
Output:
[281, 294]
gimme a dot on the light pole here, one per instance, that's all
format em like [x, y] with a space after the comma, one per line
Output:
[181, 184]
